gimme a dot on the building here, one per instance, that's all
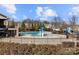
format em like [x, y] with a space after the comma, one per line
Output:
[31, 25]
[2, 25]
[75, 28]
[4, 29]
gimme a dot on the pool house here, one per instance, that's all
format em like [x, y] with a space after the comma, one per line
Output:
[5, 31]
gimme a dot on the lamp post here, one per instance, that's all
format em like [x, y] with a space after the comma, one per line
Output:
[17, 30]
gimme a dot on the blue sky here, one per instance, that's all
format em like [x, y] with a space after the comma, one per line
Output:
[39, 11]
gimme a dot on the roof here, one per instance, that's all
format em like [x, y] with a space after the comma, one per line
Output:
[3, 16]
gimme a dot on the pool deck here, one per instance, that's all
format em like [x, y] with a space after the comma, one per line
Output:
[55, 39]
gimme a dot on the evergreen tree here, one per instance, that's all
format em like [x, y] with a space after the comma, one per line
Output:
[13, 23]
[22, 28]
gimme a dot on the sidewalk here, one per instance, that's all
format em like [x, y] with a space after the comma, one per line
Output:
[55, 39]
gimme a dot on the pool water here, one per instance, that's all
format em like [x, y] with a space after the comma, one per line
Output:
[32, 33]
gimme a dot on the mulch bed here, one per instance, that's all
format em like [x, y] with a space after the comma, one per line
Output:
[32, 49]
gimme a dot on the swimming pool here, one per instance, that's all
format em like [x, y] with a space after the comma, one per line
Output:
[31, 33]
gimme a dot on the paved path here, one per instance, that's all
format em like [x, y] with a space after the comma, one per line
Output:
[36, 40]
[55, 39]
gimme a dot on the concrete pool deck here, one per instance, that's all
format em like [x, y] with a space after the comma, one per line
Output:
[55, 39]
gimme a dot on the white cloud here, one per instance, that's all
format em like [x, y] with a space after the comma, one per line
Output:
[45, 11]
[25, 17]
[50, 12]
[43, 18]
[9, 8]
[76, 8]
[46, 7]
[70, 13]
[14, 17]
[74, 11]
[39, 11]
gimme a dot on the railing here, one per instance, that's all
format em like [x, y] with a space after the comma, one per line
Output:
[3, 28]
[36, 40]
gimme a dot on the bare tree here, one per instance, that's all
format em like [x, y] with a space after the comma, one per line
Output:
[57, 22]
[73, 21]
